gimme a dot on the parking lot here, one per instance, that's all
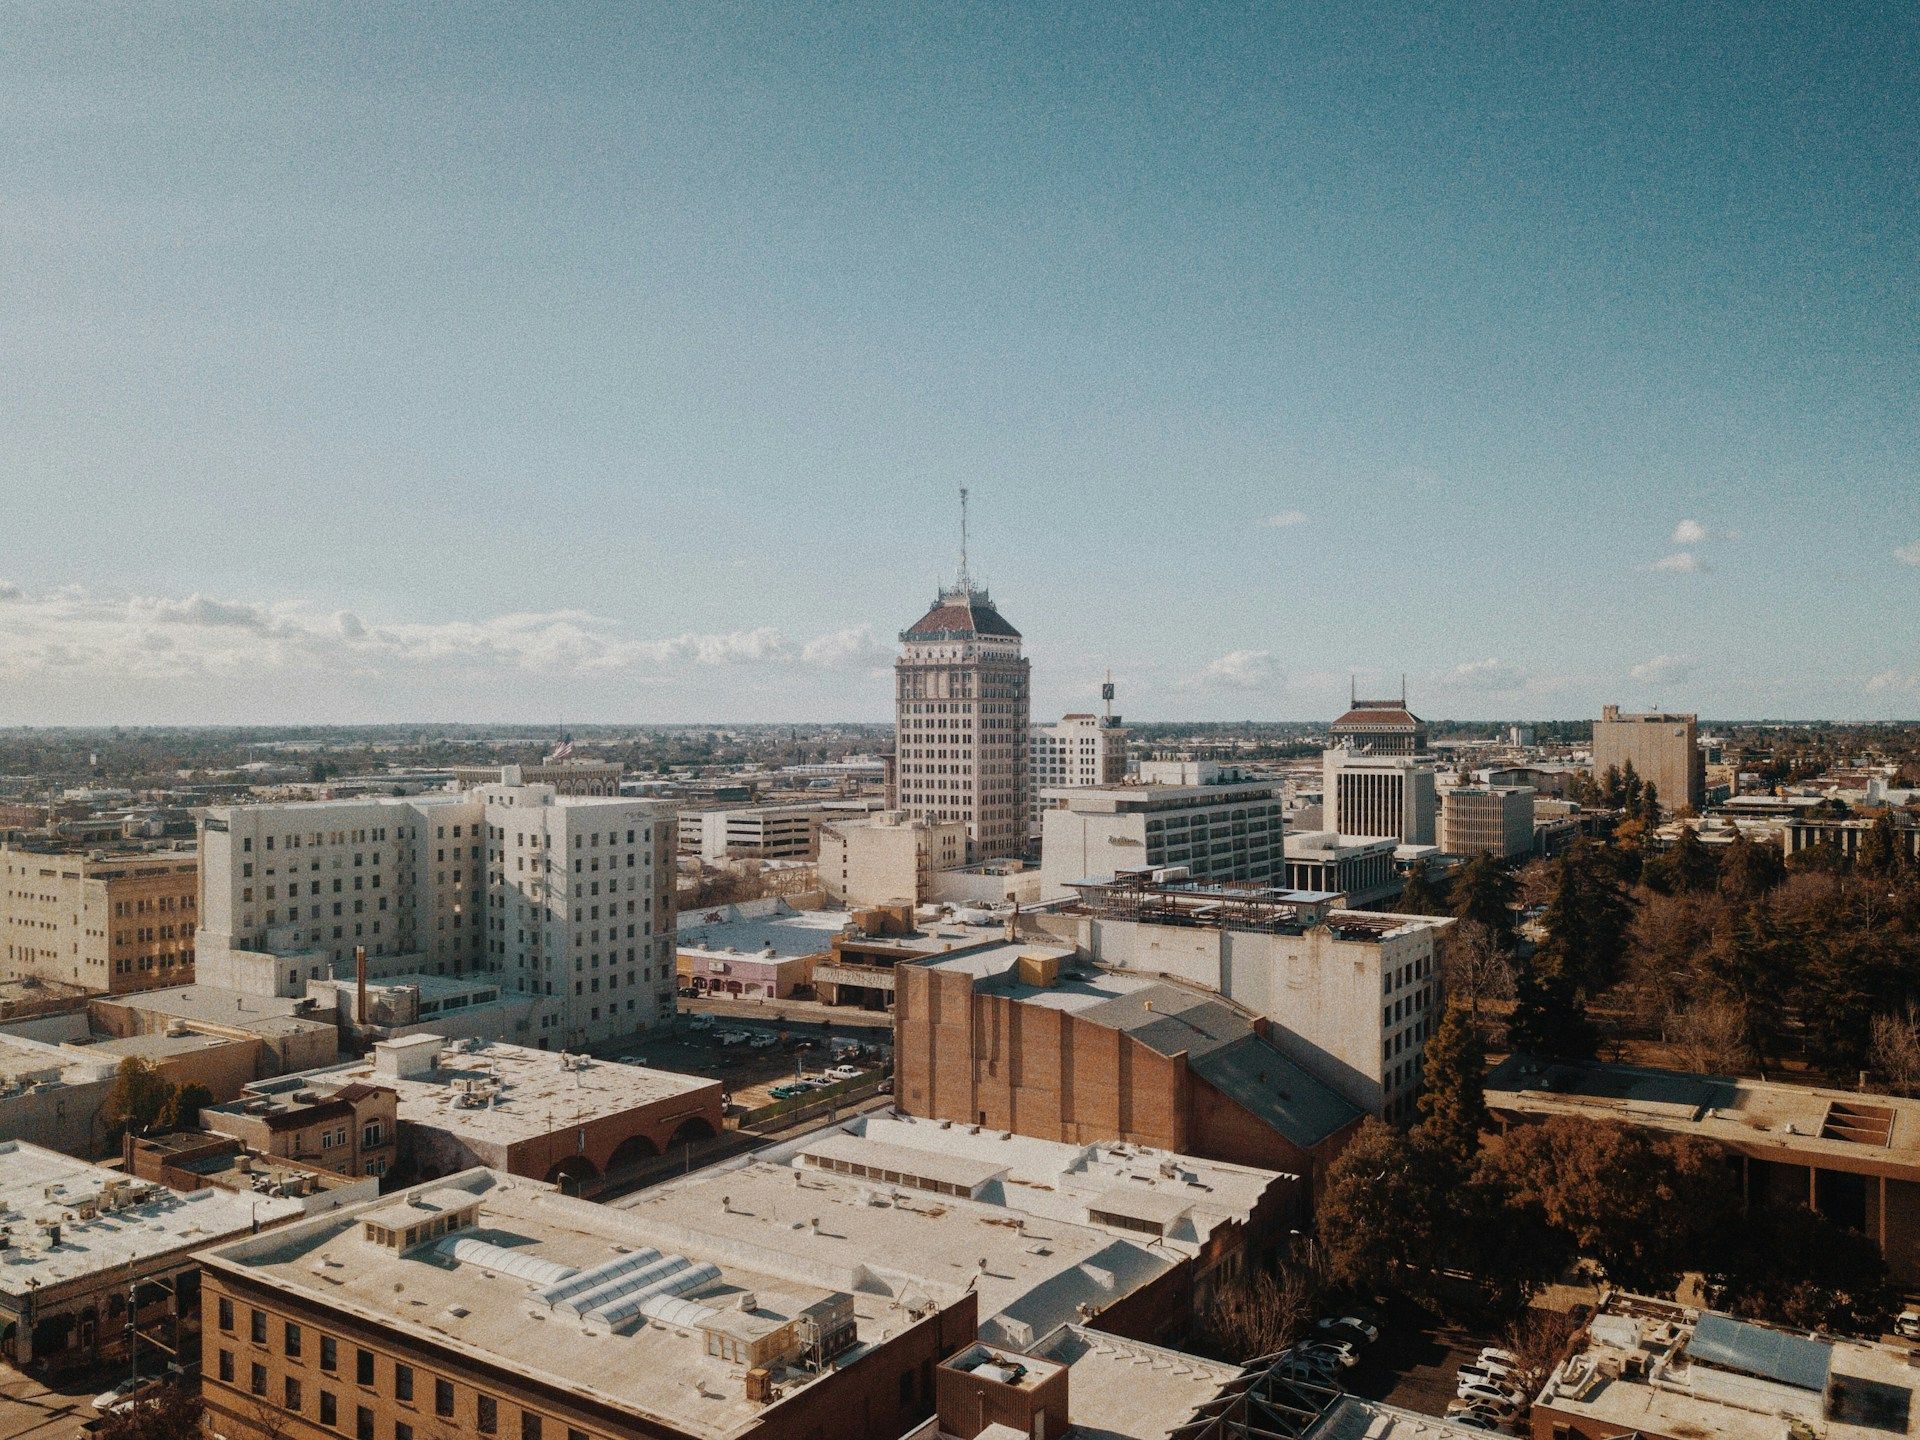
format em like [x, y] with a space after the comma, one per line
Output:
[748, 1072]
[1416, 1361]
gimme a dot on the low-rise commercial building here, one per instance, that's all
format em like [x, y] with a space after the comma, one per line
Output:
[1359, 867]
[1494, 820]
[1806, 833]
[351, 1128]
[753, 832]
[567, 777]
[528, 1112]
[1023, 1038]
[1350, 996]
[188, 1160]
[84, 1243]
[887, 858]
[1660, 1371]
[107, 919]
[487, 1304]
[1853, 1157]
[763, 949]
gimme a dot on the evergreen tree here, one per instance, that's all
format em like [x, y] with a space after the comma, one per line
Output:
[1881, 852]
[1691, 866]
[1482, 891]
[1453, 1106]
[1420, 896]
[1586, 921]
[1748, 871]
[1549, 1016]
[1612, 788]
[1649, 806]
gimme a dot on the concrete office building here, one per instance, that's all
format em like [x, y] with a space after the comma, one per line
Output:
[1494, 820]
[961, 721]
[1350, 996]
[108, 919]
[1662, 748]
[487, 1305]
[566, 902]
[1080, 750]
[1853, 1157]
[887, 858]
[1359, 867]
[752, 832]
[1218, 829]
[1379, 795]
[1025, 1039]
[82, 1239]
[567, 777]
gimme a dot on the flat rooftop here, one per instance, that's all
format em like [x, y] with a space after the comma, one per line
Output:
[264, 1015]
[107, 1221]
[801, 932]
[871, 1235]
[475, 1290]
[1186, 1196]
[1650, 1366]
[524, 1093]
[1127, 1388]
[1805, 1121]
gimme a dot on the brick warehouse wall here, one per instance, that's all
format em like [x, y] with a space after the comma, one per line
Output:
[885, 1393]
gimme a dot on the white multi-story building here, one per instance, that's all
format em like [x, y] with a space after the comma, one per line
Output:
[752, 832]
[887, 857]
[564, 900]
[1081, 750]
[1379, 795]
[1218, 829]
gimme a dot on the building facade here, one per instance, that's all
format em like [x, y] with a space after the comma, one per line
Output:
[887, 857]
[962, 717]
[567, 777]
[752, 832]
[1379, 795]
[1662, 748]
[1494, 820]
[1356, 866]
[1219, 830]
[1380, 727]
[1080, 750]
[108, 920]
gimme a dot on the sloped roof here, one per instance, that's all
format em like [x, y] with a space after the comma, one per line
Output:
[1381, 715]
[1265, 1083]
[1171, 1020]
[960, 613]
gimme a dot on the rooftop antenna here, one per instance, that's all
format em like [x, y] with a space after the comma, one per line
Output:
[1403, 689]
[1106, 694]
[966, 583]
[1353, 689]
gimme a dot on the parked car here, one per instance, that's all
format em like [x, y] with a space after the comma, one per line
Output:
[732, 1037]
[765, 1040]
[640, 1060]
[1477, 1420]
[1353, 1323]
[1505, 1357]
[1344, 1351]
[1907, 1324]
[121, 1396]
[845, 1072]
[700, 1022]
[1483, 1393]
[1491, 1371]
[787, 1092]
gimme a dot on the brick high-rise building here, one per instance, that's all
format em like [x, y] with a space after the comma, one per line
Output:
[961, 719]
[1663, 748]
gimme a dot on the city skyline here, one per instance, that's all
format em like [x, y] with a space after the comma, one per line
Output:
[621, 365]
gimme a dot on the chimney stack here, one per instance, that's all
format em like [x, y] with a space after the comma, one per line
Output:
[360, 984]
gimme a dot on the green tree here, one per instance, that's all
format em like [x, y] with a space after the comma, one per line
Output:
[1549, 1016]
[1377, 1219]
[136, 1100]
[183, 1107]
[1788, 1265]
[1748, 871]
[1586, 921]
[1453, 1104]
[1881, 853]
[1420, 896]
[1483, 890]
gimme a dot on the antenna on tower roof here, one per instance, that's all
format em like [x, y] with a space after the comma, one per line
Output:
[966, 582]
[1353, 690]
[1403, 689]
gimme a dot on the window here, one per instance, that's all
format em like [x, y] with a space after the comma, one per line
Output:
[329, 1409]
[257, 1379]
[529, 1426]
[362, 1423]
[226, 1314]
[402, 1430]
[226, 1366]
[293, 1395]
[443, 1398]
[363, 1367]
[258, 1326]
[487, 1415]
[329, 1353]
[293, 1341]
[403, 1382]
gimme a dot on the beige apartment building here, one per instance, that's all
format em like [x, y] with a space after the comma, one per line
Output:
[887, 857]
[1663, 748]
[107, 920]
[567, 777]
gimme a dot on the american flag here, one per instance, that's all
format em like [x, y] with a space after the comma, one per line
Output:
[562, 751]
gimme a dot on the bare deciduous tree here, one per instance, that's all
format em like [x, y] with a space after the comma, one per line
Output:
[1895, 1048]
[1474, 966]
[1711, 1036]
[1259, 1313]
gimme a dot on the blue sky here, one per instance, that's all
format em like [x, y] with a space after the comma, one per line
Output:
[621, 363]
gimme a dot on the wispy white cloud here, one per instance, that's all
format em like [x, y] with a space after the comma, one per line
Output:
[1688, 532]
[1242, 670]
[1682, 562]
[1489, 674]
[1894, 682]
[855, 648]
[1906, 555]
[1285, 520]
[1663, 668]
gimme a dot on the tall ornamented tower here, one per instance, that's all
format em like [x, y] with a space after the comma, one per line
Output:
[960, 715]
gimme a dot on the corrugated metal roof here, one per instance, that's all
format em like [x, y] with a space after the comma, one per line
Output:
[1732, 1344]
